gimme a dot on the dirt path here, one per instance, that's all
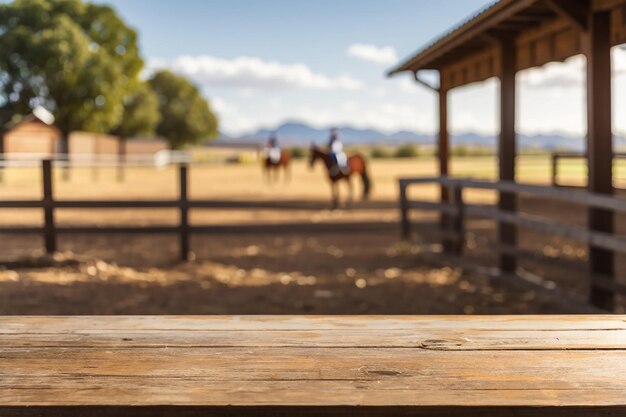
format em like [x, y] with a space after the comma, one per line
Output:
[286, 274]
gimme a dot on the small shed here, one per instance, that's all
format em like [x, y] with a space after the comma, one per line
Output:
[32, 135]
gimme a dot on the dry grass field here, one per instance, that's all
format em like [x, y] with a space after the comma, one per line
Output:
[287, 272]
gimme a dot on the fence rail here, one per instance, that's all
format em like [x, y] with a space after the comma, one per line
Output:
[51, 230]
[557, 156]
[455, 211]
[157, 159]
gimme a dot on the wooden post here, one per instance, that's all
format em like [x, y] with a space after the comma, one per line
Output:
[459, 221]
[121, 160]
[597, 44]
[404, 212]
[184, 214]
[555, 169]
[444, 157]
[507, 147]
[64, 155]
[50, 238]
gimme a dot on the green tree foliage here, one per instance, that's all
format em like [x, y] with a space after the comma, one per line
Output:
[79, 60]
[141, 113]
[186, 117]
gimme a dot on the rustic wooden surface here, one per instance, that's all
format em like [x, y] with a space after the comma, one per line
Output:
[313, 366]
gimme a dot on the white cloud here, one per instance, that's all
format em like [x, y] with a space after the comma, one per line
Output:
[249, 73]
[371, 53]
[570, 74]
[232, 121]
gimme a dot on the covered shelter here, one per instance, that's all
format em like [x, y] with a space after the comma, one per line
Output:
[514, 35]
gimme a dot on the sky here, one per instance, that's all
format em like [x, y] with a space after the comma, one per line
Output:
[265, 62]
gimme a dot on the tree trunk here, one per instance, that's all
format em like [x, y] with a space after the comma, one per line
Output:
[121, 160]
[2, 131]
[64, 154]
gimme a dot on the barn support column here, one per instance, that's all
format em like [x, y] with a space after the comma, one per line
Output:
[507, 148]
[597, 44]
[443, 153]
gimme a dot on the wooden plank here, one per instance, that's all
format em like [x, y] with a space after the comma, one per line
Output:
[313, 366]
[312, 411]
[539, 323]
[427, 339]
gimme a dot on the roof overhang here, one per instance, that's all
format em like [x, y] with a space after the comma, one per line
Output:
[544, 31]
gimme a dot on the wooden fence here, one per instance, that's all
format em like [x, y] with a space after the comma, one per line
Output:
[455, 211]
[558, 156]
[51, 230]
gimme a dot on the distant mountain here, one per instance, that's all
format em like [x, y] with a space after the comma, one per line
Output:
[301, 134]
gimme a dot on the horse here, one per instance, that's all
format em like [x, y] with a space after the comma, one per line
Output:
[356, 165]
[270, 166]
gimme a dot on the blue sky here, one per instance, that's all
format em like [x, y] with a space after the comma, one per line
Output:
[264, 62]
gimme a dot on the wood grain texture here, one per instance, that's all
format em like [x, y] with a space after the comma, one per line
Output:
[313, 366]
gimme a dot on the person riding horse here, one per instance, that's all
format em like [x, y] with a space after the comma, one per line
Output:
[275, 158]
[272, 149]
[339, 158]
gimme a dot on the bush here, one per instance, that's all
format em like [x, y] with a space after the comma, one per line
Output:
[379, 152]
[407, 151]
[461, 151]
[298, 152]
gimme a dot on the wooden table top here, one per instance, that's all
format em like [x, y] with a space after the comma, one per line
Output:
[310, 366]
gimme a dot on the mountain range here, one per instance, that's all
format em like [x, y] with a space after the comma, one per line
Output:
[301, 134]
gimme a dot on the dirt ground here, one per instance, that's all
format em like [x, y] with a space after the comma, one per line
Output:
[288, 272]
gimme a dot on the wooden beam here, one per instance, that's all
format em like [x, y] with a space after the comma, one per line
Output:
[575, 11]
[597, 46]
[426, 84]
[444, 158]
[493, 16]
[604, 5]
[507, 147]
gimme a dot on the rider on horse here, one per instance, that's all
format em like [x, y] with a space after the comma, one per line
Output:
[339, 158]
[272, 149]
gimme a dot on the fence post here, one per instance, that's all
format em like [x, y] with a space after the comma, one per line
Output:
[458, 224]
[50, 237]
[121, 160]
[404, 212]
[555, 169]
[446, 221]
[184, 214]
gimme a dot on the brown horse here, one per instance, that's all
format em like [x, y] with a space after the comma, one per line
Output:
[356, 165]
[274, 167]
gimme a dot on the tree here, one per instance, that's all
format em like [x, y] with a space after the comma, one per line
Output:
[76, 59]
[186, 117]
[140, 113]
[141, 116]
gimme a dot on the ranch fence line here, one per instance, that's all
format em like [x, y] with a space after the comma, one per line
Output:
[158, 159]
[556, 157]
[455, 211]
[51, 230]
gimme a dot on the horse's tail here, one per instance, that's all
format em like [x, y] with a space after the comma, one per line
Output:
[367, 183]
